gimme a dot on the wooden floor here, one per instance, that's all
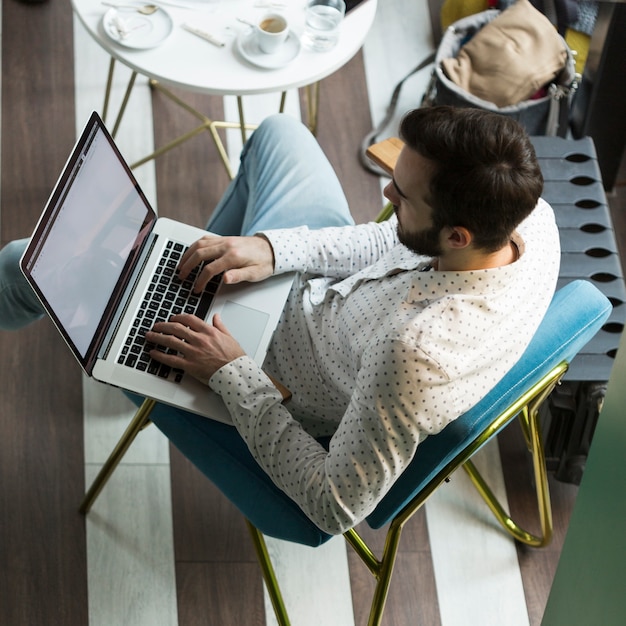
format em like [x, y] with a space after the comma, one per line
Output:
[161, 546]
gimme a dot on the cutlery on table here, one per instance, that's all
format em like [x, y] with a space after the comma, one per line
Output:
[145, 9]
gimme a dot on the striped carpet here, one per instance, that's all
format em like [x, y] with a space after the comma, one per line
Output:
[161, 547]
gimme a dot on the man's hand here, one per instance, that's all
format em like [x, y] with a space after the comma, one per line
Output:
[201, 348]
[240, 258]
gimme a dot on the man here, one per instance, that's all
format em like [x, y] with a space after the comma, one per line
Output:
[391, 330]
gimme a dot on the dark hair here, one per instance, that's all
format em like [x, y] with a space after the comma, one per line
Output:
[486, 176]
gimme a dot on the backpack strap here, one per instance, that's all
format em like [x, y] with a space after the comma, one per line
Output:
[372, 136]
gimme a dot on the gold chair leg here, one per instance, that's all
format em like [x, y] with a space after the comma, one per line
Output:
[386, 212]
[529, 418]
[381, 569]
[139, 422]
[269, 575]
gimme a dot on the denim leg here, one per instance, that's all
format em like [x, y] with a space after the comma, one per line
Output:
[284, 180]
[19, 305]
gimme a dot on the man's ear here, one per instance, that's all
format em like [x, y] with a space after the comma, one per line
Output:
[458, 237]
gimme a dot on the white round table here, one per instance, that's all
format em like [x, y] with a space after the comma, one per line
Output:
[186, 61]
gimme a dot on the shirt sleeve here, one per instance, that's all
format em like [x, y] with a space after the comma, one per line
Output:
[335, 251]
[387, 417]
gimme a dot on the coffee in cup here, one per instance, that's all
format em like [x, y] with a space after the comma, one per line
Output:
[271, 32]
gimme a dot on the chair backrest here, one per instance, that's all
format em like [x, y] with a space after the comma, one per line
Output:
[576, 313]
[578, 310]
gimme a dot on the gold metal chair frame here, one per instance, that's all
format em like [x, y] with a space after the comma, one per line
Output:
[207, 124]
[526, 408]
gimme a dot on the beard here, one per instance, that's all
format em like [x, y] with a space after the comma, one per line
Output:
[424, 242]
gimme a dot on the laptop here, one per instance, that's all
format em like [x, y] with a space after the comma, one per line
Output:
[104, 268]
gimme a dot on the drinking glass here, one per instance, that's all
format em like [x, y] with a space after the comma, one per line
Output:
[322, 24]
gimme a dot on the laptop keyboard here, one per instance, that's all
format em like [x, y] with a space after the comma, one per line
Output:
[166, 295]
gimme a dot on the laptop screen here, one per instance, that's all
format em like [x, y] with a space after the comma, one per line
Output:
[87, 239]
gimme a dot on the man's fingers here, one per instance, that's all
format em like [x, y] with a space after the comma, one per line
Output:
[247, 274]
[238, 258]
[165, 340]
[190, 322]
[202, 251]
[182, 326]
[219, 324]
[173, 359]
[189, 343]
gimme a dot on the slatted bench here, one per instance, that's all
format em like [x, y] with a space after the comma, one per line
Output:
[573, 187]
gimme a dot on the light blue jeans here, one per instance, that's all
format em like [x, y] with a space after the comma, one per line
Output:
[284, 180]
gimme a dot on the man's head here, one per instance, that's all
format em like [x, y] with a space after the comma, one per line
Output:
[472, 169]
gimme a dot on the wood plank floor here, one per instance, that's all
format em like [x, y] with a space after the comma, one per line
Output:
[162, 547]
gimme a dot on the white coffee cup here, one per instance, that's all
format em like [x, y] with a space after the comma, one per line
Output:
[271, 32]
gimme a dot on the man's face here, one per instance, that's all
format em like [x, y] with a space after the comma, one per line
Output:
[409, 192]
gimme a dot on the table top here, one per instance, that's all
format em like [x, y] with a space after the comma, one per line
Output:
[185, 60]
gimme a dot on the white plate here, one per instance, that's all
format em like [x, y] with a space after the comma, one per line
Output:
[249, 49]
[144, 31]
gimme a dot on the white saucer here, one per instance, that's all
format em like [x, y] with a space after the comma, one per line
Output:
[249, 50]
[144, 31]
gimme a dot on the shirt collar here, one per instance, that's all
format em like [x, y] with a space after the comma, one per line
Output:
[432, 285]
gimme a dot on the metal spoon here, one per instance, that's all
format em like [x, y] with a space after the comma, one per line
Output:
[146, 9]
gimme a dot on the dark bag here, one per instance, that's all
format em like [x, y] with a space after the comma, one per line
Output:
[526, 51]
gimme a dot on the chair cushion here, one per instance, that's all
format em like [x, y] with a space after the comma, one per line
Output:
[575, 315]
[220, 453]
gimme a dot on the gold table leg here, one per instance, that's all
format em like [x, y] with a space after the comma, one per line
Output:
[207, 124]
[312, 95]
[129, 88]
[107, 92]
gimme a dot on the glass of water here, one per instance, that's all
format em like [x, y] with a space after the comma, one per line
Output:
[322, 22]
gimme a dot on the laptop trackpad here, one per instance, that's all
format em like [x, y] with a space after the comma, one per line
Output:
[245, 324]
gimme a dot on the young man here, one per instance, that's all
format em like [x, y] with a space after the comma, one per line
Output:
[391, 330]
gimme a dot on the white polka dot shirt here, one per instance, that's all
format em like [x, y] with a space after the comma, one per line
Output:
[379, 354]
